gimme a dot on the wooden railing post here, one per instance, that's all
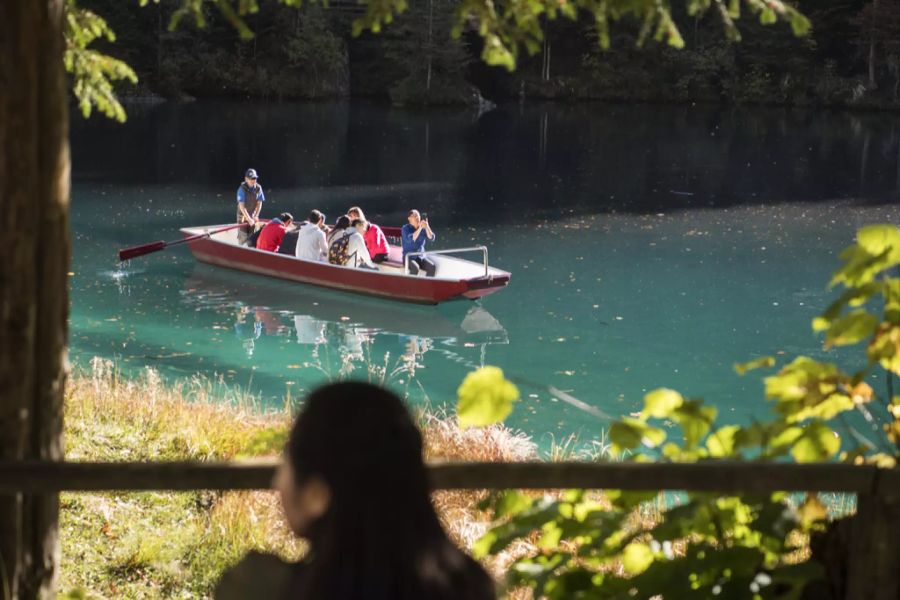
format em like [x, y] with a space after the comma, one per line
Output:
[873, 552]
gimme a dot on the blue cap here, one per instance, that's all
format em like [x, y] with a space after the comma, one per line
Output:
[251, 174]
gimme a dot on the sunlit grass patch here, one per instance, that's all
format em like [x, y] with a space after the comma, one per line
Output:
[176, 545]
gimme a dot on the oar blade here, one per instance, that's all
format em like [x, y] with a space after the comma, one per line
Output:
[135, 251]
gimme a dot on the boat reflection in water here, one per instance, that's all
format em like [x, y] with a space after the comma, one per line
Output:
[320, 318]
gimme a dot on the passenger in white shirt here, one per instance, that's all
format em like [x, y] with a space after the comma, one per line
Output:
[356, 246]
[311, 240]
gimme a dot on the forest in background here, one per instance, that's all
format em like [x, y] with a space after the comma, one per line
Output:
[851, 58]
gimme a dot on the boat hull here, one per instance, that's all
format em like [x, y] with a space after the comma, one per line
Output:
[405, 288]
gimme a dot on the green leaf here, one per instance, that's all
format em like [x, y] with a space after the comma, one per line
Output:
[785, 439]
[878, 239]
[551, 533]
[885, 348]
[721, 442]
[511, 502]
[877, 249]
[695, 420]
[817, 443]
[851, 329]
[756, 363]
[800, 25]
[826, 409]
[660, 403]
[628, 500]
[485, 397]
[500, 536]
[629, 433]
[854, 296]
[804, 379]
[636, 558]
[812, 510]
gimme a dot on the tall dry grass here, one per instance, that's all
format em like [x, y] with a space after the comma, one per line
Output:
[176, 545]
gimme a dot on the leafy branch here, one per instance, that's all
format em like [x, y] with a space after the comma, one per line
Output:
[510, 26]
[712, 545]
[507, 28]
[93, 72]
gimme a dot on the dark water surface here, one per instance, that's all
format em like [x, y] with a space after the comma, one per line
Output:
[649, 246]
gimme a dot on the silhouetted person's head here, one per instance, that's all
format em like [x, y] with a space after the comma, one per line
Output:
[316, 217]
[359, 225]
[343, 222]
[355, 486]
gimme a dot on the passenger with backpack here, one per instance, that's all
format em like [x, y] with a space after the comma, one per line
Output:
[348, 247]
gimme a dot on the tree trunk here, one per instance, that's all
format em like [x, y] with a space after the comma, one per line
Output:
[34, 229]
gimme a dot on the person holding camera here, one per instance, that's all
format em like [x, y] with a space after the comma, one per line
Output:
[414, 235]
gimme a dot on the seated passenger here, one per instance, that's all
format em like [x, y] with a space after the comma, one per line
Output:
[348, 248]
[311, 243]
[273, 232]
[289, 243]
[342, 223]
[359, 253]
[376, 241]
[414, 234]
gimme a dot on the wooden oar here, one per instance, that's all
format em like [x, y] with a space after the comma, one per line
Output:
[135, 251]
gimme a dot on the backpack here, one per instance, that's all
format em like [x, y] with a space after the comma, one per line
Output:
[337, 252]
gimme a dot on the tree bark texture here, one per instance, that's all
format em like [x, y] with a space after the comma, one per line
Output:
[34, 233]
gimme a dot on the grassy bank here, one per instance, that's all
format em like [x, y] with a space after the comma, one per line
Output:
[175, 545]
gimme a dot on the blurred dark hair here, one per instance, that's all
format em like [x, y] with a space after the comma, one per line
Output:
[285, 217]
[315, 216]
[343, 222]
[380, 538]
[356, 222]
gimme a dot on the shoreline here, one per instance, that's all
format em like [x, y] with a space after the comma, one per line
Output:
[152, 98]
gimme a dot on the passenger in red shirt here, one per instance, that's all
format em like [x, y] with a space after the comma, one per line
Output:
[376, 241]
[272, 234]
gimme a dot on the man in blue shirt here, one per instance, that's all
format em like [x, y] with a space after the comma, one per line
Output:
[414, 235]
[249, 202]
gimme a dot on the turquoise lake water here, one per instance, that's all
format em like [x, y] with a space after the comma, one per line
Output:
[649, 246]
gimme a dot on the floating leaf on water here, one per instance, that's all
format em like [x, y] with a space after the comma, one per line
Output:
[756, 363]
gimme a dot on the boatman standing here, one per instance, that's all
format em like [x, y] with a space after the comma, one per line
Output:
[249, 202]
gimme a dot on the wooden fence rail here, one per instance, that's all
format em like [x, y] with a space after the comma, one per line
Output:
[746, 477]
[868, 567]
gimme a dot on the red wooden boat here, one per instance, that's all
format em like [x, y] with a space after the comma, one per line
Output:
[455, 277]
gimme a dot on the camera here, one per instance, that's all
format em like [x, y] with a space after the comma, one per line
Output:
[424, 216]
